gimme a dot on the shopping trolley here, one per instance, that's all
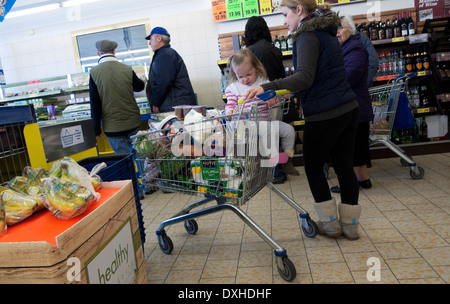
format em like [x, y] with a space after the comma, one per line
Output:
[384, 103]
[215, 158]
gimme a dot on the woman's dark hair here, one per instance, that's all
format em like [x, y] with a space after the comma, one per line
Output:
[256, 29]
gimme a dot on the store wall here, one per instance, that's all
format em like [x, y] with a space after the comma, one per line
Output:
[35, 47]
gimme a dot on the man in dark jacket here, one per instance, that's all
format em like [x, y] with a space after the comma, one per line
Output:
[168, 80]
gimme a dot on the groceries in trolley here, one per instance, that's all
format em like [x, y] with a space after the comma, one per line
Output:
[67, 190]
[205, 152]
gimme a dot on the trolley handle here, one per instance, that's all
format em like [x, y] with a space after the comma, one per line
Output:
[271, 94]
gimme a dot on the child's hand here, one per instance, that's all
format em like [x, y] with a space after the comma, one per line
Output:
[272, 102]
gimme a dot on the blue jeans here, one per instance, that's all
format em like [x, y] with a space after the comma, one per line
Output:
[122, 144]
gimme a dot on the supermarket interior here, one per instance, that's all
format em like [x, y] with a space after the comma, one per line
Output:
[71, 211]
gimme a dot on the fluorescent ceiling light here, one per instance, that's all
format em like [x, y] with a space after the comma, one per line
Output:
[46, 8]
[76, 2]
[137, 58]
[34, 10]
[117, 54]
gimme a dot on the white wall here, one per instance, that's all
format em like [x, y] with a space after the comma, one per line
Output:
[40, 46]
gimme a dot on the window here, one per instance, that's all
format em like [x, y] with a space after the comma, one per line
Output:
[132, 47]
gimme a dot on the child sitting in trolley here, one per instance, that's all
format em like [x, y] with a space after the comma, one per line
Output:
[247, 72]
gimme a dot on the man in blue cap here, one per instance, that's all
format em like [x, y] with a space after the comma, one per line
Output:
[168, 80]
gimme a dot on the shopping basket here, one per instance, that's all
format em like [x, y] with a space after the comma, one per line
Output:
[385, 103]
[220, 161]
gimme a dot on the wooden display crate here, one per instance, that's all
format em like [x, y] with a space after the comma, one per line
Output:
[43, 249]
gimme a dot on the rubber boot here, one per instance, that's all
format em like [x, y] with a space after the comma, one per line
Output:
[348, 218]
[328, 218]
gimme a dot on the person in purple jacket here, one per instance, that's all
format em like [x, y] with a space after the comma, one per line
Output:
[356, 60]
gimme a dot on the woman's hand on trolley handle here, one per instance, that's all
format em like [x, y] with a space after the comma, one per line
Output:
[253, 92]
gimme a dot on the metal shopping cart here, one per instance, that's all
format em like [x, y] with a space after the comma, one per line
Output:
[216, 158]
[385, 102]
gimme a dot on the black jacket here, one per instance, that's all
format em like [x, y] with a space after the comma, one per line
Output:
[168, 81]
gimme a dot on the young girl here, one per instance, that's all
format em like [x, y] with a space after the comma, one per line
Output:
[247, 72]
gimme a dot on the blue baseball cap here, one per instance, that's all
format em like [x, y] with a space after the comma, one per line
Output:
[158, 30]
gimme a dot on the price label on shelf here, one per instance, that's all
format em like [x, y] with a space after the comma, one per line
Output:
[250, 8]
[265, 7]
[234, 9]
[219, 8]
[398, 39]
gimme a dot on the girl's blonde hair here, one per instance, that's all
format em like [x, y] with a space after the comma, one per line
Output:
[309, 5]
[239, 57]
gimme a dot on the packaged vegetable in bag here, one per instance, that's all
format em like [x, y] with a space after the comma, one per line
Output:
[68, 169]
[17, 206]
[66, 199]
[30, 184]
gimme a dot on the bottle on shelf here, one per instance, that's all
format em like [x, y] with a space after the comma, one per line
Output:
[410, 22]
[395, 69]
[283, 43]
[363, 29]
[425, 60]
[401, 62]
[286, 71]
[404, 26]
[381, 30]
[382, 64]
[423, 130]
[408, 62]
[277, 42]
[373, 31]
[397, 28]
[289, 40]
[418, 60]
[389, 30]
[389, 63]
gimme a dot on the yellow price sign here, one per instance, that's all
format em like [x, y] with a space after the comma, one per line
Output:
[398, 39]
[423, 110]
[320, 2]
[343, 1]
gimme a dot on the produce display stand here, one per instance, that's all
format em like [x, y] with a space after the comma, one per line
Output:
[103, 245]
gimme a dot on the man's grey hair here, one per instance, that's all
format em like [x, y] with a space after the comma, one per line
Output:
[350, 23]
[165, 39]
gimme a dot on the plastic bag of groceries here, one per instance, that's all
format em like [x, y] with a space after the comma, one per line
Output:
[16, 206]
[69, 189]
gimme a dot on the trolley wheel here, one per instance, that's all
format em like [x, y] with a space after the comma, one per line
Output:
[165, 243]
[416, 172]
[404, 162]
[191, 226]
[312, 229]
[288, 273]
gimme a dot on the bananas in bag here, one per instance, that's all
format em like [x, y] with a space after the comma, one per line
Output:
[17, 206]
[69, 189]
[66, 199]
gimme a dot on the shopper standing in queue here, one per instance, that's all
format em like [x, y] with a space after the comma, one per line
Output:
[331, 112]
[259, 40]
[111, 89]
[356, 59]
[168, 80]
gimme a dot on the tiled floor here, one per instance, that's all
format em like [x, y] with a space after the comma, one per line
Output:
[405, 225]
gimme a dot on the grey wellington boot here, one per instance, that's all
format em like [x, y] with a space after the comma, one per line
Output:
[328, 218]
[348, 218]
